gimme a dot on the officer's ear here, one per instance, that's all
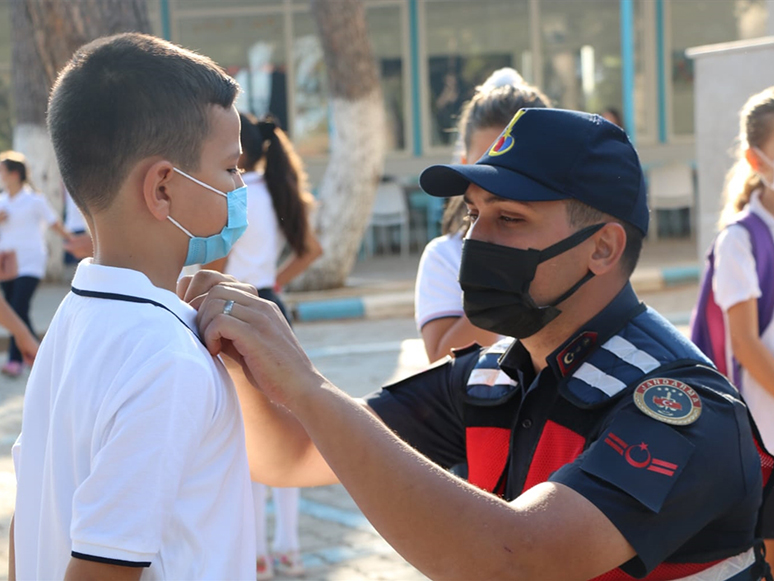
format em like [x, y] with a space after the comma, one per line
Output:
[609, 245]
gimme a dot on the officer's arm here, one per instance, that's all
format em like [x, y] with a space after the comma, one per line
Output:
[279, 450]
[449, 529]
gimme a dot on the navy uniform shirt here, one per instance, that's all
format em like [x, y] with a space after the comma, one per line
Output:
[628, 413]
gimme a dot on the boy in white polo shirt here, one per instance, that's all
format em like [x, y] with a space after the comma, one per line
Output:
[132, 459]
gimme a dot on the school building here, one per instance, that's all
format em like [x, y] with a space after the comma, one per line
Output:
[584, 54]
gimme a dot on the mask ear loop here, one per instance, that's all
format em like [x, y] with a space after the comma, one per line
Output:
[176, 223]
[193, 179]
[570, 242]
[565, 245]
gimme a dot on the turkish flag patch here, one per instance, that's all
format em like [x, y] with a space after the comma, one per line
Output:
[641, 457]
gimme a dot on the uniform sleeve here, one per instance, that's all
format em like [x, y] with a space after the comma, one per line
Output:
[661, 485]
[425, 411]
[735, 279]
[45, 211]
[438, 293]
[142, 443]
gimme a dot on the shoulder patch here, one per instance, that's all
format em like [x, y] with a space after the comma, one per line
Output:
[668, 400]
[640, 457]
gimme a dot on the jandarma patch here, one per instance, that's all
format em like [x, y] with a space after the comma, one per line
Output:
[668, 400]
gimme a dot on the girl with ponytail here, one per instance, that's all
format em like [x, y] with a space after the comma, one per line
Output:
[741, 268]
[278, 207]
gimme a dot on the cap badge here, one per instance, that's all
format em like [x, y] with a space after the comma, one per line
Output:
[505, 142]
[668, 400]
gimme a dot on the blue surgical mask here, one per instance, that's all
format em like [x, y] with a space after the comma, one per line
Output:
[202, 250]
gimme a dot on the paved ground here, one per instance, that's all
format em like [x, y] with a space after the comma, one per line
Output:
[337, 542]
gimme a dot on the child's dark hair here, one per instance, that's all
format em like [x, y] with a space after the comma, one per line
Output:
[15, 162]
[756, 125]
[125, 98]
[263, 141]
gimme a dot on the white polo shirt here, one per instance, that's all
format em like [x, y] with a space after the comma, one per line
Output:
[132, 449]
[253, 258]
[24, 231]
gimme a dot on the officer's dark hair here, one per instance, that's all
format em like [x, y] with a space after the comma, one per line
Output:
[15, 162]
[581, 215]
[124, 98]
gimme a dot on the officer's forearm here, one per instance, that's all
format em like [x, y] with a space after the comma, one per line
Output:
[278, 448]
[445, 527]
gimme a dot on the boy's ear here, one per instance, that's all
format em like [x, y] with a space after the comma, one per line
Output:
[155, 188]
[610, 243]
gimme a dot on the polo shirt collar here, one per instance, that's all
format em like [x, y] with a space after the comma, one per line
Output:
[573, 352]
[133, 284]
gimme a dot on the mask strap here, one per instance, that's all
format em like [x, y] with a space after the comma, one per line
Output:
[176, 223]
[193, 179]
[570, 242]
[589, 275]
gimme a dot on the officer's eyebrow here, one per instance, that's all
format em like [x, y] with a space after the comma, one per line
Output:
[494, 199]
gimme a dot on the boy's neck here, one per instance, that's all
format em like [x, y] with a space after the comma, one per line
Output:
[14, 189]
[139, 249]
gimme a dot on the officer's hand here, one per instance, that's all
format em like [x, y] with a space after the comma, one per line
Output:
[193, 288]
[257, 336]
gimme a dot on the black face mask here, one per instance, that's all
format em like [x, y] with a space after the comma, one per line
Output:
[495, 284]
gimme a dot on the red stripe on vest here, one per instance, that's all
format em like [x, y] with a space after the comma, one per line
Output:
[487, 451]
[767, 462]
[664, 572]
[557, 446]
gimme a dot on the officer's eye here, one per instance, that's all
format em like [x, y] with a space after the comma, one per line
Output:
[471, 216]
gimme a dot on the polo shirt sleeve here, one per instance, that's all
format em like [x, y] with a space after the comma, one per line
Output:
[44, 211]
[145, 435]
[425, 411]
[735, 278]
[661, 484]
[438, 293]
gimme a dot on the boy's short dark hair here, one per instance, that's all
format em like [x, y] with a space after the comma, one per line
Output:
[125, 98]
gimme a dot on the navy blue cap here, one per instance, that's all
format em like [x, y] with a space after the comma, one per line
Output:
[552, 154]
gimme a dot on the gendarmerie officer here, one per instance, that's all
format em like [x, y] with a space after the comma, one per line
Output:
[614, 446]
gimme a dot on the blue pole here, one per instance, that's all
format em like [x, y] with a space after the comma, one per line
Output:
[628, 67]
[661, 73]
[416, 102]
[166, 30]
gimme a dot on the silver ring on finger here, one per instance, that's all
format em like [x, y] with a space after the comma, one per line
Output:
[228, 307]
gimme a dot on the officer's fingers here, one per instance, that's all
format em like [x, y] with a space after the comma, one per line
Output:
[214, 302]
[203, 281]
[182, 286]
[218, 292]
[221, 331]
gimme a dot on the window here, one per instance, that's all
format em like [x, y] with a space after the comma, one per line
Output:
[251, 48]
[582, 54]
[311, 118]
[694, 23]
[466, 42]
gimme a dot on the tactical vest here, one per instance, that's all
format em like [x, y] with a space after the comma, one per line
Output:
[593, 375]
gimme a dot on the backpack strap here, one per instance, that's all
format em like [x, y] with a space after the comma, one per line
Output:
[763, 252]
[707, 323]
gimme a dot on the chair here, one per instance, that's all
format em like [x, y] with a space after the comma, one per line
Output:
[390, 209]
[670, 187]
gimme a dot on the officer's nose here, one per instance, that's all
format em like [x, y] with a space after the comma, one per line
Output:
[479, 230]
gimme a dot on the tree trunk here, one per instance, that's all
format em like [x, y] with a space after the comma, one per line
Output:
[357, 144]
[45, 34]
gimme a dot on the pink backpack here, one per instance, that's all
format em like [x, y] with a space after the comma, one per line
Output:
[707, 325]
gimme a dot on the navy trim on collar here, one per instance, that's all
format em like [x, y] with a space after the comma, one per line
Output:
[573, 352]
[614, 317]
